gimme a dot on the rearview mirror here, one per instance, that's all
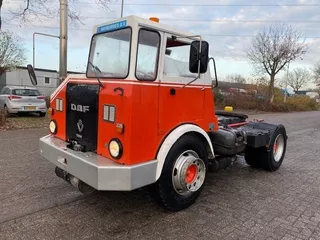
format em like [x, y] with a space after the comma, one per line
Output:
[197, 58]
[32, 75]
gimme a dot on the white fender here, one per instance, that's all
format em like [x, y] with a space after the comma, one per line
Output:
[172, 138]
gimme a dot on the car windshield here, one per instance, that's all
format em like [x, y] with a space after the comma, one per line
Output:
[110, 53]
[26, 92]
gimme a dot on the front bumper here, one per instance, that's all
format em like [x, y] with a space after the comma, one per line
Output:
[97, 171]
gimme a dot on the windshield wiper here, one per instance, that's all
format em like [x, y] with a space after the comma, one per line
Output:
[95, 68]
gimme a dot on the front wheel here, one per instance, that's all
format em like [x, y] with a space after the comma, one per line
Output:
[183, 174]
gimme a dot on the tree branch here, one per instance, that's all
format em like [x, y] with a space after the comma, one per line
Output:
[27, 7]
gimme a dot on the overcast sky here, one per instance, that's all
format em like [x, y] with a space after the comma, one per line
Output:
[229, 28]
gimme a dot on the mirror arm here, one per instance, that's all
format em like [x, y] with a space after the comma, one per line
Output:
[199, 61]
[215, 71]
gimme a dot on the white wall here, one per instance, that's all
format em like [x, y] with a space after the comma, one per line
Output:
[21, 77]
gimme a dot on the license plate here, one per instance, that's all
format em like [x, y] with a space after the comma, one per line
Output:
[30, 108]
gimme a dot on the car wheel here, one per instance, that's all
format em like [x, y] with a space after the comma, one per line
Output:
[42, 114]
[6, 111]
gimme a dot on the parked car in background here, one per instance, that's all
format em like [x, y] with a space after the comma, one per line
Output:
[18, 99]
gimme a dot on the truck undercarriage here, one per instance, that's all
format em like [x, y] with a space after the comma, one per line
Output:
[262, 144]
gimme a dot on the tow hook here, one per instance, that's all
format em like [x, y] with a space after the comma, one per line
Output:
[74, 181]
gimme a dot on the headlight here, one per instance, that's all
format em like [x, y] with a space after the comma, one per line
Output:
[53, 127]
[115, 148]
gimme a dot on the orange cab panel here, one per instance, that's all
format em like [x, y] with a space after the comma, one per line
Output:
[115, 103]
[58, 104]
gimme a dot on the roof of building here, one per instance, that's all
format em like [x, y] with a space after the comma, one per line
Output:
[226, 85]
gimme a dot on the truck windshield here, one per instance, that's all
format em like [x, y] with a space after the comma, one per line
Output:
[110, 53]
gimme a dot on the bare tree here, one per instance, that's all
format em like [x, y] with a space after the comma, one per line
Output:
[235, 78]
[316, 73]
[273, 48]
[298, 78]
[45, 10]
[12, 51]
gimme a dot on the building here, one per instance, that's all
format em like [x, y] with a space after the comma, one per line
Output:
[48, 80]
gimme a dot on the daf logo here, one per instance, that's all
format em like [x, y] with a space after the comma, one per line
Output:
[79, 108]
[80, 125]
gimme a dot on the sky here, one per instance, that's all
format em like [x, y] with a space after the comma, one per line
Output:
[228, 25]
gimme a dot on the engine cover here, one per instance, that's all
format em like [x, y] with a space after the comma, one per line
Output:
[82, 114]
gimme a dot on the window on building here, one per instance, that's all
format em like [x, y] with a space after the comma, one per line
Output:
[47, 80]
[6, 91]
[3, 90]
[148, 55]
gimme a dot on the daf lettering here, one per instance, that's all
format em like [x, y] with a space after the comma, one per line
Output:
[79, 108]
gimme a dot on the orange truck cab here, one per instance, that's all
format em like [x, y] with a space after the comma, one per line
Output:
[143, 115]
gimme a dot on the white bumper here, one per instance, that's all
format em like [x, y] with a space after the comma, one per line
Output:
[98, 172]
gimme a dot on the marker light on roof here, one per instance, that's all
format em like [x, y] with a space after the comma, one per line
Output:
[154, 19]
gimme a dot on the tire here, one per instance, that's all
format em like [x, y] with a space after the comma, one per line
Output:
[42, 114]
[266, 157]
[165, 190]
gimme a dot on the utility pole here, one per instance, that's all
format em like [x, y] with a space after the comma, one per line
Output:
[63, 39]
[286, 85]
[122, 8]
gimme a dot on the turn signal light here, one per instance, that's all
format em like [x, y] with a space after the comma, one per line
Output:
[14, 97]
[50, 111]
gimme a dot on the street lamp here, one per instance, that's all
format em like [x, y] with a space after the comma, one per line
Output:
[33, 43]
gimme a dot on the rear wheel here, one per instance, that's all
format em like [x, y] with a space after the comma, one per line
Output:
[270, 158]
[183, 174]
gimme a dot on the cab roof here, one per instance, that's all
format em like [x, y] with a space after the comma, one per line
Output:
[133, 20]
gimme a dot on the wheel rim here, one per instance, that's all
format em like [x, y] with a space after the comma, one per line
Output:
[278, 148]
[188, 173]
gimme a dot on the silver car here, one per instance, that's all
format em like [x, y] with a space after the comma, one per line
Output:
[17, 99]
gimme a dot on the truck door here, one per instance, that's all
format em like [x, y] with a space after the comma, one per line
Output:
[178, 105]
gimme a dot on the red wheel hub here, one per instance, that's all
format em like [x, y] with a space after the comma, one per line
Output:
[191, 173]
[275, 147]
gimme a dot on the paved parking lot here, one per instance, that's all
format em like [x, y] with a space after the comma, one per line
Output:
[239, 203]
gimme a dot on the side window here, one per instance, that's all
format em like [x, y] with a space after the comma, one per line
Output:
[147, 55]
[2, 90]
[176, 60]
